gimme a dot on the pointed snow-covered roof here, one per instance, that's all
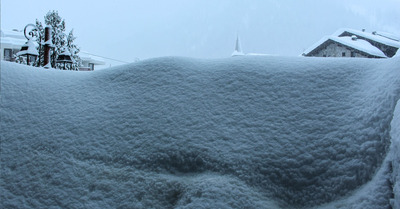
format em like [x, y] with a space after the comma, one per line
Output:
[351, 42]
[238, 48]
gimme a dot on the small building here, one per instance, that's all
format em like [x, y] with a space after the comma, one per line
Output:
[354, 43]
[89, 61]
[11, 42]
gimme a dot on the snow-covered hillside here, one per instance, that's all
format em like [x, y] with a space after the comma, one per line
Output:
[243, 132]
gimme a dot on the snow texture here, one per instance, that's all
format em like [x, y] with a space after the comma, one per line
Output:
[395, 155]
[243, 132]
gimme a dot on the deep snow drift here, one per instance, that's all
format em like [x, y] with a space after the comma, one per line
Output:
[243, 132]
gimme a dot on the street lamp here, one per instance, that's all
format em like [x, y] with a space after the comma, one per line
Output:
[29, 49]
[65, 58]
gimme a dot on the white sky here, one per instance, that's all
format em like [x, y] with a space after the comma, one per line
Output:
[126, 29]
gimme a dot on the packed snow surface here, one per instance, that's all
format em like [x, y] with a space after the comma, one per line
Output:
[243, 132]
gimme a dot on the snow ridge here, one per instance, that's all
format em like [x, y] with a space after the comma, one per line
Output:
[244, 132]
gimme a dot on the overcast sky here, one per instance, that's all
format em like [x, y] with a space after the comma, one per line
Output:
[129, 29]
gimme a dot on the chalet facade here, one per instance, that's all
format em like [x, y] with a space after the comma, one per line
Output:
[353, 43]
[11, 43]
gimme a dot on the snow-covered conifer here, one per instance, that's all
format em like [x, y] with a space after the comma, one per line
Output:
[74, 50]
[40, 39]
[57, 33]
[59, 39]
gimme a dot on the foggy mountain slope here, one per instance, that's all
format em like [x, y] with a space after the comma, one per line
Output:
[247, 132]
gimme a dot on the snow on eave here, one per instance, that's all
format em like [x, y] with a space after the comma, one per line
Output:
[12, 34]
[8, 42]
[359, 44]
[92, 60]
[368, 35]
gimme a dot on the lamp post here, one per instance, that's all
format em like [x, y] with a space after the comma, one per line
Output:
[29, 48]
[47, 46]
[65, 58]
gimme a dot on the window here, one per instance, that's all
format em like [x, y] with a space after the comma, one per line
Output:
[7, 54]
[353, 54]
[343, 54]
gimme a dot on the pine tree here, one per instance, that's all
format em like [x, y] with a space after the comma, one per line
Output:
[39, 40]
[57, 33]
[59, 39]
[74, 50]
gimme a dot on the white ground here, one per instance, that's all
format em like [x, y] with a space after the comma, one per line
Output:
[243, 132]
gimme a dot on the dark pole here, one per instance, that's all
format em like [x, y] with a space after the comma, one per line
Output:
[40, 48]
[47, 38]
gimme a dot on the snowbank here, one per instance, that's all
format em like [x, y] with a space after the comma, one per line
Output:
[395, 158]
[244, 132]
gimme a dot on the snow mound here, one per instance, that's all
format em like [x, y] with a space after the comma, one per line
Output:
[244, 132]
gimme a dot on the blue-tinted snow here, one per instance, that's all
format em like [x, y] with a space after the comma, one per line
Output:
[243, 132]
[395, 156]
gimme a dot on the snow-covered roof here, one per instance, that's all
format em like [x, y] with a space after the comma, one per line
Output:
[7, 42]
[92, 60]
[358, 44]
[89, 58]
[388, 35]
[380, 37]
[12, 34]
[12, 39]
